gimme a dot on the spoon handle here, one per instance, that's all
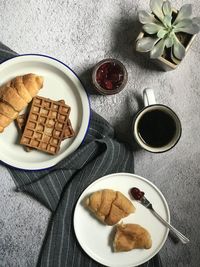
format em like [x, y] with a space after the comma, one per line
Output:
[181, 237]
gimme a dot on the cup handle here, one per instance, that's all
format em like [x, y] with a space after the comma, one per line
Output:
[148, 97]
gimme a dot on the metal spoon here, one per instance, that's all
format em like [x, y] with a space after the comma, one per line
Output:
[145, 202]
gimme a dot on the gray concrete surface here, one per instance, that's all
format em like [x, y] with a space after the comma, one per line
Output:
[80, 33]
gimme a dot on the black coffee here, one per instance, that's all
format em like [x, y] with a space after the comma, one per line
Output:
[156, 128]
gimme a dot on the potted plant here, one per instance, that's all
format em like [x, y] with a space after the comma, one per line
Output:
[167, 33]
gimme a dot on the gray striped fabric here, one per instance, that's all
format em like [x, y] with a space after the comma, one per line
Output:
[59, 187]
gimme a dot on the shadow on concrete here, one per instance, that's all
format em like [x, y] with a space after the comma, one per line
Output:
[125, 33]
[124, 126]
[86, 79]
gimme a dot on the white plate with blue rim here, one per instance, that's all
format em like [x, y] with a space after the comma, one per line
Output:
[95, 237]
[60, 82]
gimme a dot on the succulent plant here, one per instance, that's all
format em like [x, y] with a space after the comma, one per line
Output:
[162, 27]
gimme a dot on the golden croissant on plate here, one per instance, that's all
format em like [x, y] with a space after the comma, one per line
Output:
[15, 96]
[131, 236]
[109, 206]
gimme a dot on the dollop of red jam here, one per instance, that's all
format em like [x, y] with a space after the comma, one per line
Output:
[109, 76]
[136, 193]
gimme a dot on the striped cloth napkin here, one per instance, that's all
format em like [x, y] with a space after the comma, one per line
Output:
[59, 187]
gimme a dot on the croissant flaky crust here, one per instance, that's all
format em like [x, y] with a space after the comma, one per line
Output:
[15, 96]
[131, 236]
[109, 206]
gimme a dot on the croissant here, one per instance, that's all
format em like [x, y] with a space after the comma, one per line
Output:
[131, 236]
[109, 206]
[15, 96]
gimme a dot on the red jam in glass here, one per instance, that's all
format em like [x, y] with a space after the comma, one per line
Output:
[136, 193]
[109, 76]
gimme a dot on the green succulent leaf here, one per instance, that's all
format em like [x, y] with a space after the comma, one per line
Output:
[158, 49]
[146, 44]
[156, 7]
[146, 17]
[169, 42]
[178, 48]
[196, 20]
[183, 23]
[167, 9]
[184, 13]
[191, 29]
[152, 28]
[161, 33]
[167, 21]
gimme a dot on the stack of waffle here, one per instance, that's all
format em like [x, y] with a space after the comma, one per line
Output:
[46, 125]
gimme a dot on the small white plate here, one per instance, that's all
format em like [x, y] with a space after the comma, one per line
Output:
[60, 82]
[94, 236]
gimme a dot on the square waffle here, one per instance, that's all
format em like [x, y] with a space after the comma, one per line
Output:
[46, 125]
[68, 132]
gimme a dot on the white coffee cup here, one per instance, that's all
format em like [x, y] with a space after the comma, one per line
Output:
[156, 127]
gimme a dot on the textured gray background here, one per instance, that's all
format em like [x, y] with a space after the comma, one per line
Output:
[80, 33]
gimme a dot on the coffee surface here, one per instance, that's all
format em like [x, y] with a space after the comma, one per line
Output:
[156, 128]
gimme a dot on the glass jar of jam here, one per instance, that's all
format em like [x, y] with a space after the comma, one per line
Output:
[109, 76]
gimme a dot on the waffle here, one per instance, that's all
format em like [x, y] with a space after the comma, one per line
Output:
[46, 125]
[21, 122]
[68, 132]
